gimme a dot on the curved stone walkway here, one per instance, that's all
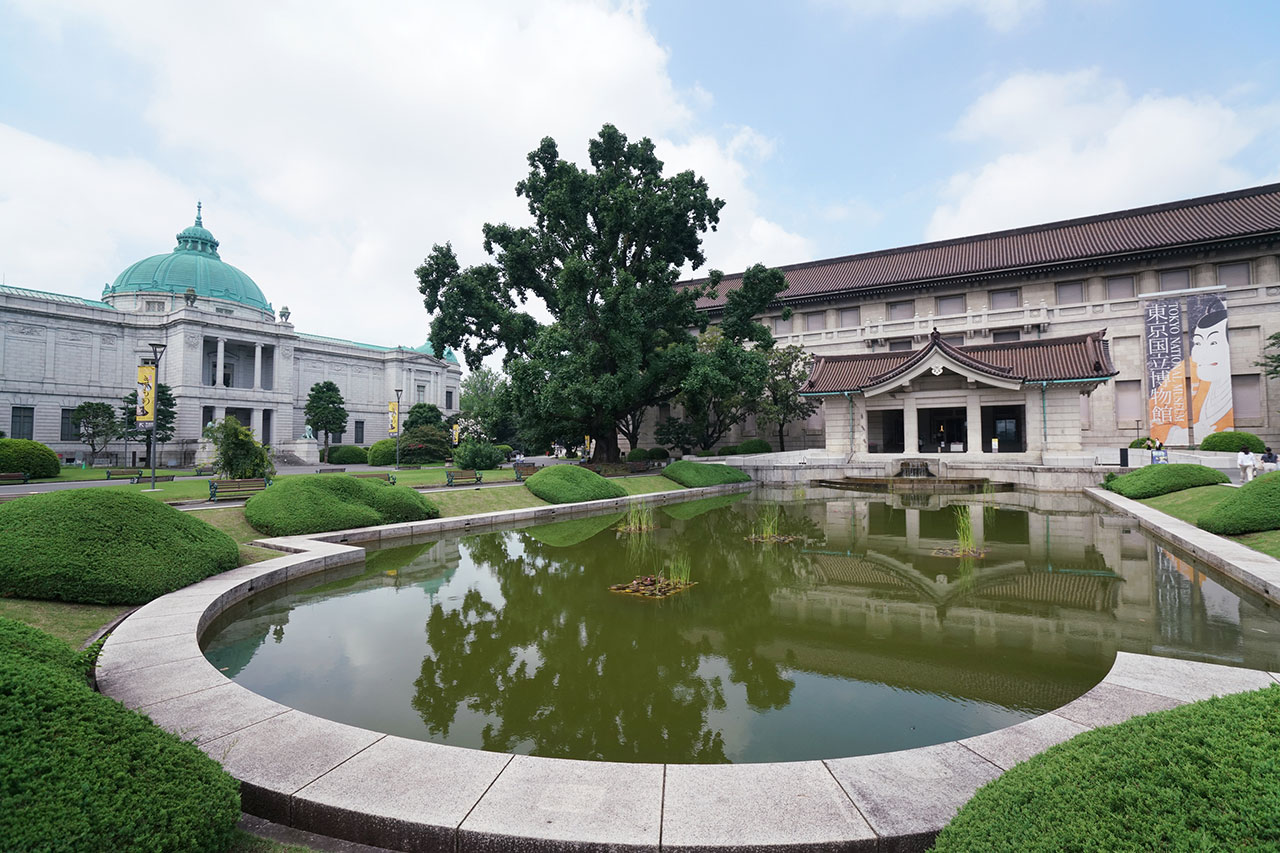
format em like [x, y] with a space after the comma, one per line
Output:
[393, 792]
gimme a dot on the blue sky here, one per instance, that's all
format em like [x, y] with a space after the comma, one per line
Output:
[333, 144]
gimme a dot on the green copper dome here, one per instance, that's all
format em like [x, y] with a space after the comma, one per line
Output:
[194, 263]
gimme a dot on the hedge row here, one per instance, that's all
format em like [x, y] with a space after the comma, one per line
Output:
[696, 474]
[79, 771]
[105, 546]
[1252, 508]
[347, 454]
[1155, 480]
[29, 457]
[326, 502]
[563, 484]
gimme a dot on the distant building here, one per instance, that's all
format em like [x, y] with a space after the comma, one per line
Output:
[227, 353]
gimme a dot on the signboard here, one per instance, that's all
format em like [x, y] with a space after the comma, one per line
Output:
[145, 412]
[456, 431]
[1212, 408]
[393, 418]
[1159, 457]
[1166, 371]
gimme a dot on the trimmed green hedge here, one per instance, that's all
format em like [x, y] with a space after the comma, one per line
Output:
[1200, 777]
[755, 445]
[659, 453]
[1162, 479]
[79, 771]
[695, 474]
[350, 454]
[383, 452]
[1252, 508]
[30, 457]
[564, 484]
[105, 546]
[1232, 442]
[1140, 443]
[324, 502]
[477, 454]
[728, 450]
[638, 455]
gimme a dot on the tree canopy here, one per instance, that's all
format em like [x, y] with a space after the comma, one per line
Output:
[423, 414]
[97, 425]
[604, 255]
[166, 414]
[781, 403]
[325, 410]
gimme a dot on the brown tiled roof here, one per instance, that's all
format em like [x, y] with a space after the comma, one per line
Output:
[1244, 213]
[1078, 357]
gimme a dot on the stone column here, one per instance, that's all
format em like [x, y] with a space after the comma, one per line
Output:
[973, 422]
[910, 425]
[859, 414]
[219, 412]
[217, 371]
[255, 423]
[257, 367]
[1266, 270]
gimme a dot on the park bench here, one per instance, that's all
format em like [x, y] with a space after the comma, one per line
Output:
[144, 477]
[454, 476]
[331, 470]
[376, 475]
[231, 489]
[13, 496]
[123, 473]
[637, 467]
[524, 470]
[202, 470]
[15, 477]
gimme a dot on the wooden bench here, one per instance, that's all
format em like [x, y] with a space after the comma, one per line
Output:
[524, 469]
[123, 473]
[454, 476]
[202, 470]
[13, 496]
[376, 475]
[146, 478]
[331, 470]
[15, 477]
[231, 489]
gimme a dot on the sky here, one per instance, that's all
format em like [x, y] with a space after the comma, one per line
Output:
[333, 144]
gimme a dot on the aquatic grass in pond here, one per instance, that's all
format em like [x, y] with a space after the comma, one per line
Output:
[767, 528]
[680, 570]
[639, 518]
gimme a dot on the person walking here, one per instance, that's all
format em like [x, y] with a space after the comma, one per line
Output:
[1268, 461]
[1245, 462]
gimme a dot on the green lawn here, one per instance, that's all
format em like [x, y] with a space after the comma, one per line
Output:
[1190, 504]
[74, 623]
[230, 520]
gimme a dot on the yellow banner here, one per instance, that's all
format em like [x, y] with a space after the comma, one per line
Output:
[456, 430]
[393, 418]
[145, 413]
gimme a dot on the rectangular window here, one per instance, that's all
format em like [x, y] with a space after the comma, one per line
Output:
[1246, 397]
[900, 345]
[1070, 292]
[448, 399]
[1002, 300]
[781, 326]
[1006, 336]
[359, 432]
[815, 322]
[70, 429]
[902, 310]
[422, 393]
[155, 305]
[951, 305]
[22, 421]
[850, 317]
[1120, 287]
[1175, 279]
[1234, 275]
[1128, 402]
[224, 311]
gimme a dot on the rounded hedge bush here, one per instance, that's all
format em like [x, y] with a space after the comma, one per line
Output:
[382, 452]
[657, 454]
[350, 454]
[477, 454]
[1155, 480]
[32, 458]
[105, 546]
[696, 474]
[1252, 508]
[1200, 777]
[79, 771]
[728, 450]
[324, 502]
[755, 445]
[506, 449]
[1141, 443]
[1232, 442]
[422, 444]
[638, 455]
[563, 484]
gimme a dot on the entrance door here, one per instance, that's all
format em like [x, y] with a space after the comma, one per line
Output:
[943, 430]
[1006, 424]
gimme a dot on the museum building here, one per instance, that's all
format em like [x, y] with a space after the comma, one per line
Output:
[1052, 339]
[227, 352]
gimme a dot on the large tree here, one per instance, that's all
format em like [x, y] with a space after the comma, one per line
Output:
[325, 411]
[97, 425]
[605, 250]
[781, 403]
[486, 400]
[423, 414]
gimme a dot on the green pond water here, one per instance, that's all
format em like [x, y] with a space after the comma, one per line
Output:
[881, 626]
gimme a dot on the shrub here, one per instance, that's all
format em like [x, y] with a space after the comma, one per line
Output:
[477, 454]
[728, 450]
[695, 474]
[79, 771]
[1141, 443]
[382, 452]
[105, 546]
[507, 450]
[705, 453]
[324, 502]
[422, 444]
[1162, 479]
[30, 457]
[1199, 777]
[562, 484]
[659, 453]
[755, 445]
[237, 454]
[349, 454]
[638, 455]
[572, 454]
[1232, 442]
[1253, 507]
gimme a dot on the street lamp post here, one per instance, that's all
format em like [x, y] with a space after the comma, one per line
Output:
[157, 350]
[399, 426]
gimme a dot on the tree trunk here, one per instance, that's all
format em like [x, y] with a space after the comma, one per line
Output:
[782, 441]
[606, 447]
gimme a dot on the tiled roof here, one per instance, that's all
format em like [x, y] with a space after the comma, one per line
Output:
[6, 290]
[1243, 213]
[1078, 357]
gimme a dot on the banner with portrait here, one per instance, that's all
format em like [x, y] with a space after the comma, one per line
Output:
[1212, 408]
[393, 418]
[1166, 371]
[144, 414]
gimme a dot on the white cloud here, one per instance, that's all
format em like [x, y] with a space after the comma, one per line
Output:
[1075, 144]
[1002, 15]
[334, 143]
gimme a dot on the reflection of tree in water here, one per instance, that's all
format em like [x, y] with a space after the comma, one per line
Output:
[566, 668]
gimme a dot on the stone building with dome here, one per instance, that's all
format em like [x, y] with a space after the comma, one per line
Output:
[227, 352]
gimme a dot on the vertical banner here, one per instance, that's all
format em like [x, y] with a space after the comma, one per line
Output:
[456, 431]
[1212, 409]
[1166, 371]
[393, 418]
[145, 413]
